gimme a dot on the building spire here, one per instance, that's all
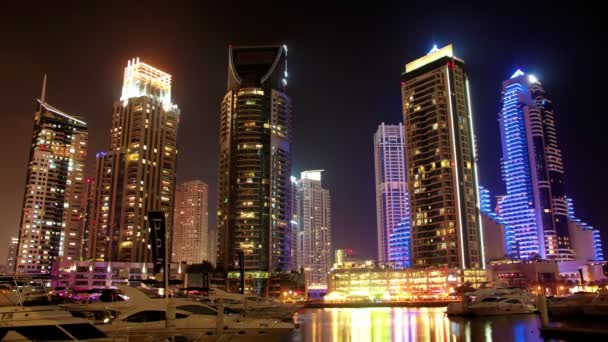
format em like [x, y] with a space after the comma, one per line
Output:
[43, 94]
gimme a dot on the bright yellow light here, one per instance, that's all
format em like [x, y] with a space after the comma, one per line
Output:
[142, 79]
[445, 51]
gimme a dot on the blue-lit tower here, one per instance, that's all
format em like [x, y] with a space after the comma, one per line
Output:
[399, 244]
[392, 202]
[535, 206]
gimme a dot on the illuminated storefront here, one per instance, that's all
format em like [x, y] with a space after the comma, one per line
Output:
[362, 284]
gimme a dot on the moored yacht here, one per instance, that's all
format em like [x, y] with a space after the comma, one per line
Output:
[22, 319]
[470, 298]
[45, 323]
[496, 306]
[571, 305]
[598, 306]
[141, 315]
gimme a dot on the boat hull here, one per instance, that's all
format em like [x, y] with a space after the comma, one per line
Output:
[236, 335]
[501, 310]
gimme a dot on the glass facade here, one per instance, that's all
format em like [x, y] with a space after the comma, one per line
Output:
[392, 208]
[254, 210]
[441, 163]
[313, 243]
[534, 206]
[53, 206]
[137, 174]
[363, 283]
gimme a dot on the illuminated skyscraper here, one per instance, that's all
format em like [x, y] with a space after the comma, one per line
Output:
[191, 223]
[51, 222]
[137, 174]
[391, 194]
[297, 235]
[441, 162]
[315, 246]
[255, 163]
[11, 259]
[535, 205]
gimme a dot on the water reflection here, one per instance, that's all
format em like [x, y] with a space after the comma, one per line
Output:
[410, 324]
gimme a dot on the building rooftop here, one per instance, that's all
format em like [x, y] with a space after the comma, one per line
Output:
[433, 55]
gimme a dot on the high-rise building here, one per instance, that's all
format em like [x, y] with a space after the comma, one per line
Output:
[51, 222]
[11, 258]
[441, 162]
[137, 174]
[391, 194]
[255, 164]
[297, 235]
[89, 198]
[535, 205]
[191, 223]
[315, 227]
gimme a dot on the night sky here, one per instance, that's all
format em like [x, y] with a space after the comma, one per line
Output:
[344, 67]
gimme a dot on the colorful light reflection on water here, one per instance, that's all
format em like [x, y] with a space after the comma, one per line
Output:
[410, 324]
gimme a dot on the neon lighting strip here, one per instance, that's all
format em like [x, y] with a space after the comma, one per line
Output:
[447, 73]
[477, 203]
[57, 111]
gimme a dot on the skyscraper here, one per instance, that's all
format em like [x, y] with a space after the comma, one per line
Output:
[89, 198]
[391, 192]
[315, 228]
[255, 163]
[137, 174]
[11, 258]
[51, 222]
[535, 205]
[191, 222]
[441, 162]
[297, 235]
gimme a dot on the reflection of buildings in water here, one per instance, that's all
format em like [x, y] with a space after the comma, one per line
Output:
[495, 328]
[411, 324]
[376, 324]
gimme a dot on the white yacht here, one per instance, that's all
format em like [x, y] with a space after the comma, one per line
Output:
[251, 306]
[45, 323]
[194, 321]
[141, 315]
[463, 307]
[571, 305]
[495, 306]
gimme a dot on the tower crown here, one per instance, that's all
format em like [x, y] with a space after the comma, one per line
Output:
[142, 79]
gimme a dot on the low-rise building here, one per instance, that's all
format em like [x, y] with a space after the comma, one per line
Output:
[582, 273]
[524, 274]
[382, 282]
[550, 275]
